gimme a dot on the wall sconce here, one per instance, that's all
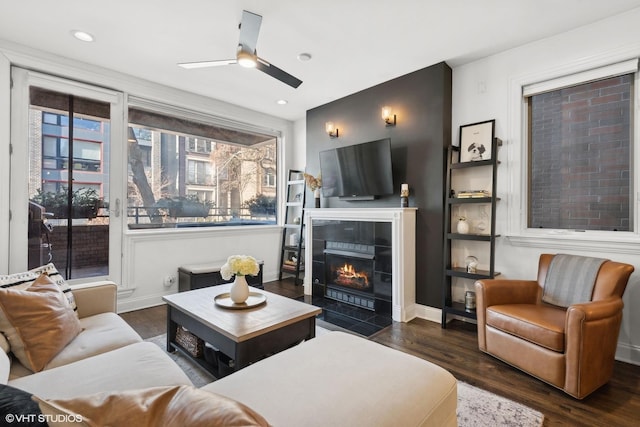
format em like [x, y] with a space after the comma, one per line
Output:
[386, 116]
[331, 130]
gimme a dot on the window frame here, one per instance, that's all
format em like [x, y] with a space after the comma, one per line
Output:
[517, 162]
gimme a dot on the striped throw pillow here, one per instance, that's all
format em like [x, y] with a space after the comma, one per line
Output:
[21, 281]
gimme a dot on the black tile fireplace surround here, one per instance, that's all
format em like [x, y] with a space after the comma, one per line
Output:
[352, 274]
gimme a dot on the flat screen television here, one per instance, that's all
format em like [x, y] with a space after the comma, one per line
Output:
[360, 171]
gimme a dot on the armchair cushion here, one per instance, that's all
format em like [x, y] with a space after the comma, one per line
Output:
[540, 324]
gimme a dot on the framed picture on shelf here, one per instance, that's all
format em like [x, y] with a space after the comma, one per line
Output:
[476, 141]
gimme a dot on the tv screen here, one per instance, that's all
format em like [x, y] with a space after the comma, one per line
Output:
[361, 170]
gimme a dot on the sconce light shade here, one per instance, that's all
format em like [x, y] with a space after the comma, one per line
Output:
[331, 130]
[387, 113]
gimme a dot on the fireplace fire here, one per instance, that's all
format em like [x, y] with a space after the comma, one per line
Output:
[348, 276]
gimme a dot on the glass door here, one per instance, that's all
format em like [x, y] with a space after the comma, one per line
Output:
[65, 133]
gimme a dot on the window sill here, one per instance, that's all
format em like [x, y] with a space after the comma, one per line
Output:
[629, 243]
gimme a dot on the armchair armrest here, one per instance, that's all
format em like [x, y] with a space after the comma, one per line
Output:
[506, 291]
[95, 298]
[591, 334]
[501, 291]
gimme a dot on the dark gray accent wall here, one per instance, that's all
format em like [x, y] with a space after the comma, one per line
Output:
[422, 102]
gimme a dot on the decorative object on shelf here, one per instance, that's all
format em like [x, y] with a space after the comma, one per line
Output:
[481, 224]
[473, 194]
[240, 266]
[189, 342]
[463, 225]
[472, 264]
[470, 300]
[314, 185]
[296, 220]
[331, 130]
[476, 141]
[387, 113]
[404, 195]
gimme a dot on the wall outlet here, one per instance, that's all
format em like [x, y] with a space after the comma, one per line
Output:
[169, 281]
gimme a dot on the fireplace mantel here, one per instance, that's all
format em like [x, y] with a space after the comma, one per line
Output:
[403, 247]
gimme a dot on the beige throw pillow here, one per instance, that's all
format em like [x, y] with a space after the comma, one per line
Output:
[157, 406]
[38, 322]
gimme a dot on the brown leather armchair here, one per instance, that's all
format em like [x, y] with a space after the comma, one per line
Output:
[572, 349]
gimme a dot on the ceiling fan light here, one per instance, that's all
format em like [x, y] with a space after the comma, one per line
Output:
[247, 60]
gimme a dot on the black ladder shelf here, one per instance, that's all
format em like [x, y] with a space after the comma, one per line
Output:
[451, 270]
[292, 247]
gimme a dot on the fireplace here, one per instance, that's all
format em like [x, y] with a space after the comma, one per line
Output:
[352, 264]
[386, 235]
[349, 276]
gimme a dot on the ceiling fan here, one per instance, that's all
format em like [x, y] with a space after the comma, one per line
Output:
[246, 55]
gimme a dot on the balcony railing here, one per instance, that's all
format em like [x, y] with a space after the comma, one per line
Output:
[154, 217]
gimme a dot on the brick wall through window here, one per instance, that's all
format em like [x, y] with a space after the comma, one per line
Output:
[580, 156]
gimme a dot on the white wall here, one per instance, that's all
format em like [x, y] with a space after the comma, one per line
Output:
[484, 90]
[148, 257]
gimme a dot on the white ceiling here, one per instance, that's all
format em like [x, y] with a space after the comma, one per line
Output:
[355, 44]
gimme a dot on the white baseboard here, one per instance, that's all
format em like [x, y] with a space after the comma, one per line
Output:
[132, 304]
[628, 353]
[431, 314]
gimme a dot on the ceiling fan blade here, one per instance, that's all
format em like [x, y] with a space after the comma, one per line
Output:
[277, 73]
[204, 64]
[249, 30]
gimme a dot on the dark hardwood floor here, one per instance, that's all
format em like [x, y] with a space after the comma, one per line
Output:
[455, 349]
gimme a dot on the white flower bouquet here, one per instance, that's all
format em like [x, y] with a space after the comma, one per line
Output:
[239, 265]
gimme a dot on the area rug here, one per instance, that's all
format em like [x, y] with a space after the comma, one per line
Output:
[476, 407]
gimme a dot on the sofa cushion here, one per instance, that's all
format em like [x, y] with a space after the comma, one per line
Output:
[24, 279]
[135, 366]
[38, 322]
[17, 408]
[540, 324]
[336, 379]
[167, 406]
[100, 333]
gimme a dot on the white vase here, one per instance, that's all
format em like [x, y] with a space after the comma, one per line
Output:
[463, 226]
[239, 290]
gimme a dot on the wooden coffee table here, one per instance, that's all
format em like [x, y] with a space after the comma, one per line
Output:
[246, 335]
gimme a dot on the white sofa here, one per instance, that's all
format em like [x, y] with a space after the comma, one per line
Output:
[108, 355]
[334, 379]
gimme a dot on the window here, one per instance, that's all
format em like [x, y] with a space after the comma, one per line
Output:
[185, 172]
[580, 151]
[269, 178]
[199, 172]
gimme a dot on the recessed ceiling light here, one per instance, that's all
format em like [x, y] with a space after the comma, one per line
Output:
[282, 102]
[82, 35]
[304, 57]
